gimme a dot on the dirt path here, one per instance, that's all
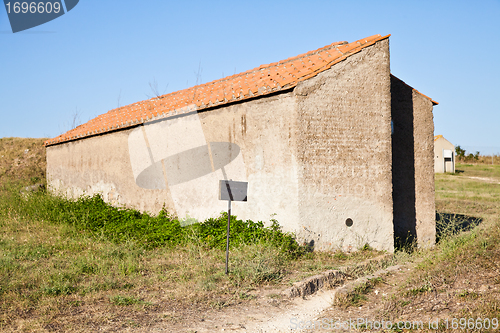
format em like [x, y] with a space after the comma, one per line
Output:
[270, 312]
[485, 179]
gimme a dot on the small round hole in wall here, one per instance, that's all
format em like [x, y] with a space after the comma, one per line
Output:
[348, 222]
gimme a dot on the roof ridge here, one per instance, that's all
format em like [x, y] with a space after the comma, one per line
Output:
[255, 69]
[281, 75]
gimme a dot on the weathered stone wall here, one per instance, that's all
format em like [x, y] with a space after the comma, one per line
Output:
[424, 174]
[412, 154]
[344, 153]
[100, 164]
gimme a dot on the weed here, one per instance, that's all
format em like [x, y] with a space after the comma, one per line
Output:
[218, 304]
[59, 289]
[243, 295]
[424, 288]
[339, 255]
[125, 300]
[467, 294]
[405, 303]
[357, 295]
[366, 247]
[120, 225]
[452, 224]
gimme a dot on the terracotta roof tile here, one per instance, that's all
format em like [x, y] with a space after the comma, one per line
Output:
[259, 81]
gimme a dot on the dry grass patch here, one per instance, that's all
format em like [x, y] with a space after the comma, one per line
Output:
[22, 160]
[57, 275]
[54, 277]
[459, 278]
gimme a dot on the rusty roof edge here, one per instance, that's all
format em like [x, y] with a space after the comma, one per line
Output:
[63, 138]
[418, 92]
[55, 142]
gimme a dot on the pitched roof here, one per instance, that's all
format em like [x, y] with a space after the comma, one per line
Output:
[256, 82]
[437, 137]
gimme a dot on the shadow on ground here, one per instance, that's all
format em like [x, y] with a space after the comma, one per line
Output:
[451, 224]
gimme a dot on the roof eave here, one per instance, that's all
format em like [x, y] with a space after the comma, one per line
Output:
[434, 103]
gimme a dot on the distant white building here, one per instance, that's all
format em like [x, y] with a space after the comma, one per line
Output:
[444, 155]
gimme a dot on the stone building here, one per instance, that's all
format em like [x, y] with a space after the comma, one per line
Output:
[332, 145]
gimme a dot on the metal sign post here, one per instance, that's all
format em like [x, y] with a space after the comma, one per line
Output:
[231, 191]
[227, 234]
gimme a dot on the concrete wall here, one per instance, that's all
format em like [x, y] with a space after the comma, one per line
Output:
[100, 164]
[440, 165]
[413, 179]
[317, 158]
[344, 150]
[424, 176]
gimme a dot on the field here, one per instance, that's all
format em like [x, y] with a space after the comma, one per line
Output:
[62, 270]
[460, 278]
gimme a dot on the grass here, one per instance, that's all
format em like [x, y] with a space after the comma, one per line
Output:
[76, 266]
[43, 264]
[459, 277]
[486, 159]
[22, 160]
[357, 296]
[461, 274]
[60, 259]
[93, 216]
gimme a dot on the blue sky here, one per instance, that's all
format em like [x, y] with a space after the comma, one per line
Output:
[104, 54]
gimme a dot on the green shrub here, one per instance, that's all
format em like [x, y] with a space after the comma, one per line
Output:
[92, 214]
